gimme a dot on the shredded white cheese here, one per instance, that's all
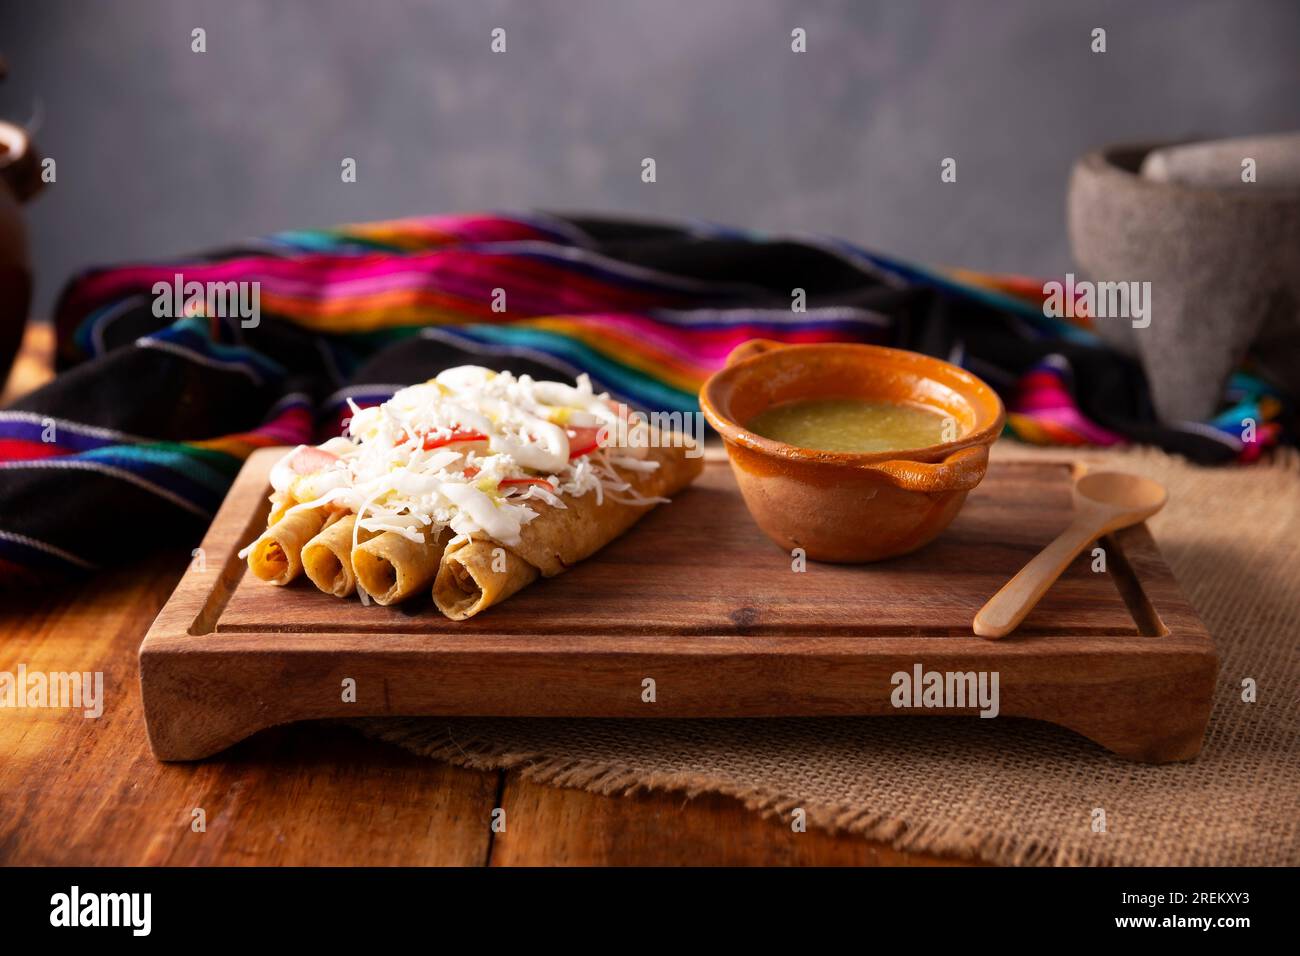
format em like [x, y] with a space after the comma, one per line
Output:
[469, 450]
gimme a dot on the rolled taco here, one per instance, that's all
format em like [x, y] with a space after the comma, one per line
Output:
[474, 484]
[327, 558]
[475, 575]
[276, 557]
[479, 572]
[391, 567]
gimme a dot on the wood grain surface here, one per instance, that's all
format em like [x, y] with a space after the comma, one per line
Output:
[76, 791]
[698, 599]
[701, 566]
[548, 826]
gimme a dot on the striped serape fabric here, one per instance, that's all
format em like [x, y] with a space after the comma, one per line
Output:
[134, 444]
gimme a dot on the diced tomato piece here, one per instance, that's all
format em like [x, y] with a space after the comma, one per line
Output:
[431, 443]
[309, 460]
[583, 440]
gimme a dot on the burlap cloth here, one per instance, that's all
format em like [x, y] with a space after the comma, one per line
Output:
[1007, 791]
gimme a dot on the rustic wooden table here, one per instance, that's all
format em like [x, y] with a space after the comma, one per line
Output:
[79, 791]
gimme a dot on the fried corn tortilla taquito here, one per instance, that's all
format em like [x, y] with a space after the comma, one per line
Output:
[480, 572]
[472, 484]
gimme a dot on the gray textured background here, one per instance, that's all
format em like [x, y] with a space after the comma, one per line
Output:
[162, 151]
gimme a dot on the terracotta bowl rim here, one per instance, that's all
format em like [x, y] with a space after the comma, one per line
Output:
[990, 415]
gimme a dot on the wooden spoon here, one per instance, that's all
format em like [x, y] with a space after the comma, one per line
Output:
[1104, 501]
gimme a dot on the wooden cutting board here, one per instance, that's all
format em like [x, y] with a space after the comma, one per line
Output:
[695, 599]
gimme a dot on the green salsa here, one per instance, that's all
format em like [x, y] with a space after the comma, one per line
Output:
[851, 425]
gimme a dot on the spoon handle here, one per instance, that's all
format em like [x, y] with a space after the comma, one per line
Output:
[1006, 609]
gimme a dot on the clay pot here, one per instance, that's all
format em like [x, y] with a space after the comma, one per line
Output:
[1223, 263]
[851, 507]
[19, 181]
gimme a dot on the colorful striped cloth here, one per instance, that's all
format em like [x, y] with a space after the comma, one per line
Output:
[134, 444]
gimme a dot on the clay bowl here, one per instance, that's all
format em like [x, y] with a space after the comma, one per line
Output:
[851, 507]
